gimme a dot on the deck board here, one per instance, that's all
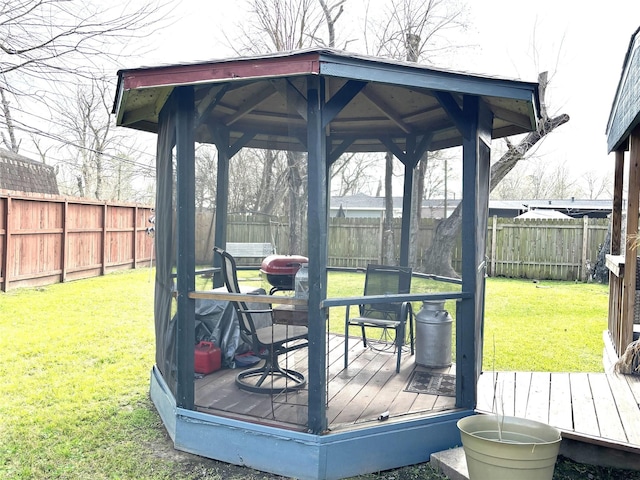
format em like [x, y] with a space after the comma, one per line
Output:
[585, 419]
[506, 393]
[521, 394]
[348, 402]
[627, 407]
[609, 421]
[368, 387]
[538, 400]
[595, 407]
[560, 412]
[634, 384]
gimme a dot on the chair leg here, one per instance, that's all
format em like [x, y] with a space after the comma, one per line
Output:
[292, 380]
[399, 343]
[411, 336]
[346, 338]
[364, 336]
[346, 347]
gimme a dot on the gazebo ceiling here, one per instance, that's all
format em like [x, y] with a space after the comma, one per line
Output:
[369, 102]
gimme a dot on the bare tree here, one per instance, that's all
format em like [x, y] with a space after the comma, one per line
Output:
[352, 173]
[437, 172]
[332, 13]
[438, 255]
[8, 140]
[96, 158]
[596, 185]
[277, 25]
[272, 181]
[539, 180]
[562, 184]
[388, 239]
[416, 31]
[46, 38]
[205, 166]
[513, 186]
[49, 46]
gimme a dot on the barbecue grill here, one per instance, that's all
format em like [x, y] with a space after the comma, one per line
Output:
[281, 270]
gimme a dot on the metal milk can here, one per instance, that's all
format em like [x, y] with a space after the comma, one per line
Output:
[433, 335]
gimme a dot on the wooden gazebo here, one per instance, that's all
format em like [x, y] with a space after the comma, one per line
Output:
[623, 138]
[323, 103]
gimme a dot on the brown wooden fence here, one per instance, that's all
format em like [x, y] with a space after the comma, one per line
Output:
[47, 239]
[540, 249]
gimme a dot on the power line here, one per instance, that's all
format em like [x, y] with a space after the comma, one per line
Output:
[35, 131]
[54, 122]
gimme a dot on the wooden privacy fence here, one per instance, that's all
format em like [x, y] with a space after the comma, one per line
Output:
[526, 248]
[47, 239]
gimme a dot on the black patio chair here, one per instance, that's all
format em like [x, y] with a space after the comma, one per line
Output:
[384, 280]
[268, 342]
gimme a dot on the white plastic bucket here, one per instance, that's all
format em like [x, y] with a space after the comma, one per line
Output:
[520, 449]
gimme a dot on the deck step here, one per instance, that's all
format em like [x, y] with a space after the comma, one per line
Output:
[451, 463]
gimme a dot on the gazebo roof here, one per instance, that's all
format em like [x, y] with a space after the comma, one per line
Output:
[261, 100]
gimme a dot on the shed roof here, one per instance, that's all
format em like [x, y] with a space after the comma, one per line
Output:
[21, 174]
[625, 111]
[543, 213]
[265, 96]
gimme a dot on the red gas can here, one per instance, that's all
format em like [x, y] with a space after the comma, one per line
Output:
[207, 358]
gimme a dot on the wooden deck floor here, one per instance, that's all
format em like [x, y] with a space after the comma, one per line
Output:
[363, 392]
[595, 407]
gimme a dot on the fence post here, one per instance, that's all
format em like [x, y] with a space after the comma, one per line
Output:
[494, 231]
[585, 245]
[103, 269]
[135, 237]
[8, 250]
[64, 258]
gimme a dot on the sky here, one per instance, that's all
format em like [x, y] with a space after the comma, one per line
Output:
[581, 44]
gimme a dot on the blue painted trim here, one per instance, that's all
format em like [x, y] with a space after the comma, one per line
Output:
[357, 69]
[302, 455]
[164, 401]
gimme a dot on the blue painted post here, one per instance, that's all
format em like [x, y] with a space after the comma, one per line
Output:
[465, 317]
[317, 219]
[185, 169]
[475, 199]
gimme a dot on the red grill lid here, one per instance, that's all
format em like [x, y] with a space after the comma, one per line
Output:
[282, 264]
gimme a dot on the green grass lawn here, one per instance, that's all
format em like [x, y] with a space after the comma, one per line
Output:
[76, 358]
[546, 326]
[543, 326]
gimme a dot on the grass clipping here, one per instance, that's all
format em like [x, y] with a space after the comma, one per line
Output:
[629, 362]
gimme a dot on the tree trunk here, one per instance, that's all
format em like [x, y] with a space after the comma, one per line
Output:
[416, 208]
[11, 142]
[412, 44]
[388, 238]
[296, 204]
[438, 255]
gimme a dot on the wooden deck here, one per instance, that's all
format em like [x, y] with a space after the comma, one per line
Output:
[367, 390]
[598, 408]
